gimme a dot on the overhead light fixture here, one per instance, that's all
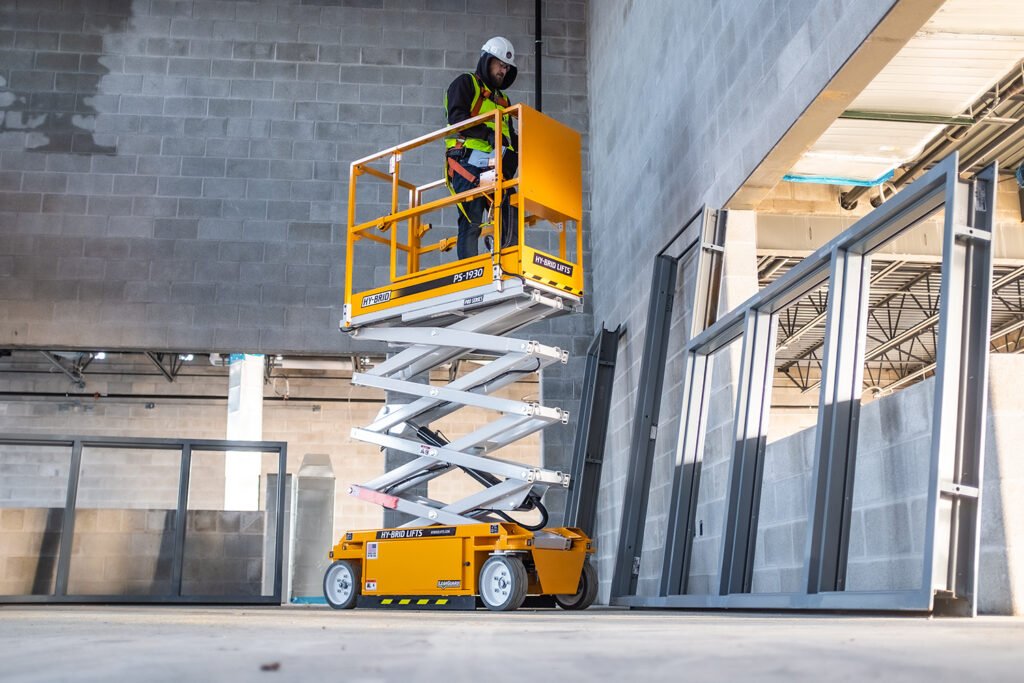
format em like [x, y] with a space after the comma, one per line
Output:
[186, 357]
[100, 355]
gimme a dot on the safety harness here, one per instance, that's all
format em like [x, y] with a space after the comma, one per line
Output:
[484, 100]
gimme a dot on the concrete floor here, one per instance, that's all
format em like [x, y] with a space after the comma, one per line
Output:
[82, 643]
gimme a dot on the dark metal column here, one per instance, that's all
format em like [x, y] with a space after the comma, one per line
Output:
[592, 430]
[67, 529]
[181, 518]
[641, 452]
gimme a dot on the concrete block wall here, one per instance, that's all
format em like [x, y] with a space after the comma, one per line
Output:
[686, 99]
[30, 539]
[173, 173]
[121, 552]
[225, 553]
[890, 497]
[129, 551]
[37, 476]
[714, 474]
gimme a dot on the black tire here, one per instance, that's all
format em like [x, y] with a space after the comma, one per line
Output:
[585, 594]
[343, 584]
[503, 583]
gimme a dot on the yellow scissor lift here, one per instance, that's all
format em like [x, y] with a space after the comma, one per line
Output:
[439, 310]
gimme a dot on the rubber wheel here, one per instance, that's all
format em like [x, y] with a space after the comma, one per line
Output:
[342, 584]
[503, 583]
[585, 594]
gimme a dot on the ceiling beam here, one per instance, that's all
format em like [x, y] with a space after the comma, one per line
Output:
[899, 25]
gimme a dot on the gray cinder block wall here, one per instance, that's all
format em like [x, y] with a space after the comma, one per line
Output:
[685, 99]
[173, 173]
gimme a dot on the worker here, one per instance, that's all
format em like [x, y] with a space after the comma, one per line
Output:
[470, 153]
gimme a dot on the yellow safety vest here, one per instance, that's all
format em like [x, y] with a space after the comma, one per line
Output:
[483, 101]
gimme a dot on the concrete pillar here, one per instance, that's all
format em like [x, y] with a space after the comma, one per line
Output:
[739, 272]
[245, 423]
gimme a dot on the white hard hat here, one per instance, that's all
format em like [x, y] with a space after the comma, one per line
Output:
[501, 48]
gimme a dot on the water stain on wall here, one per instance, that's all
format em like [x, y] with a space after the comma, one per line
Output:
[51, 99]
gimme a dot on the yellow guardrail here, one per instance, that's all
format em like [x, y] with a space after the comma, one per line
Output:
[548, 187]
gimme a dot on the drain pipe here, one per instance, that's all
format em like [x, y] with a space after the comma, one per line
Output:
[538, 40]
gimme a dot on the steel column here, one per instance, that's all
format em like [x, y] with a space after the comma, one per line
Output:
[746, 470]
[180, 518]
[641, 452]
[591, 431]
[67, 527]
[835, 444]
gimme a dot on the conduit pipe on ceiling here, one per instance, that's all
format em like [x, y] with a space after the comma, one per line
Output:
[950, 138]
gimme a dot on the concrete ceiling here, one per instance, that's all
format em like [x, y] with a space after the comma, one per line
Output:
[960, 53]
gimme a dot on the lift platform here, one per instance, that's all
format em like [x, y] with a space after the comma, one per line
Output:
[436, 311]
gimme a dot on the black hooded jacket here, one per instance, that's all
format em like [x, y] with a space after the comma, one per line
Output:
[460, 97]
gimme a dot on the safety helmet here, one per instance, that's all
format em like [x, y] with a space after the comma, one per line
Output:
[501, 48]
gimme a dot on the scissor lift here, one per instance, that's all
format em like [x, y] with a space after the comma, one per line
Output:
[452, 553]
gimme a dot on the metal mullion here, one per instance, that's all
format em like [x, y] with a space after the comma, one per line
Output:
[946, 411]
[282, 473]
[964, 549]
[67, 527]
[686, 478]
[746, 469]
[709, 271]
[641, 452]
[178, 558]
[592, 431]
[838, 416]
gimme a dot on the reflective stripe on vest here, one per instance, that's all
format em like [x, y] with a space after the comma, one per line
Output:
[483, 101]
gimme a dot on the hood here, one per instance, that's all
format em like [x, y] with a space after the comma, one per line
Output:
[481, 72]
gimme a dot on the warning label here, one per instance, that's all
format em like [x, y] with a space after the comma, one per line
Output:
[371, 551]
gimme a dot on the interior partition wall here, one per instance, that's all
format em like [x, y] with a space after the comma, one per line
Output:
[721, 575]
[104, 519]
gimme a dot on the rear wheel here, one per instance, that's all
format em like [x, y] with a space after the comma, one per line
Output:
[503, 583]
[585, 594]
[342, 584]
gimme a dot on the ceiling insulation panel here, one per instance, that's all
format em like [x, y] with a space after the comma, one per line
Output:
[960, 53]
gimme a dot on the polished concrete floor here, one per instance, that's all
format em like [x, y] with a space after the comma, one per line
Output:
[86, 643]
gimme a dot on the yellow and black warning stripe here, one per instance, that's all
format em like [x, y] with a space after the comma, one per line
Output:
[433, 602]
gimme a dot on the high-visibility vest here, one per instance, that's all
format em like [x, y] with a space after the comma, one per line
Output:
[484, 100]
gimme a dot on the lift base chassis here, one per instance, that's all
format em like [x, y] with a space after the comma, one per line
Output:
[443, 567]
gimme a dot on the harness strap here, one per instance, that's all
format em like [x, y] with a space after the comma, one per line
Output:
[485, 93]
[456, 167]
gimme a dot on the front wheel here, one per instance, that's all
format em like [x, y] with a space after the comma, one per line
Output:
[586, 593]
[503, 583]
[342, 584]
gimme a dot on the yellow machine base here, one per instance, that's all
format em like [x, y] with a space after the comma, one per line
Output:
[439, 567]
